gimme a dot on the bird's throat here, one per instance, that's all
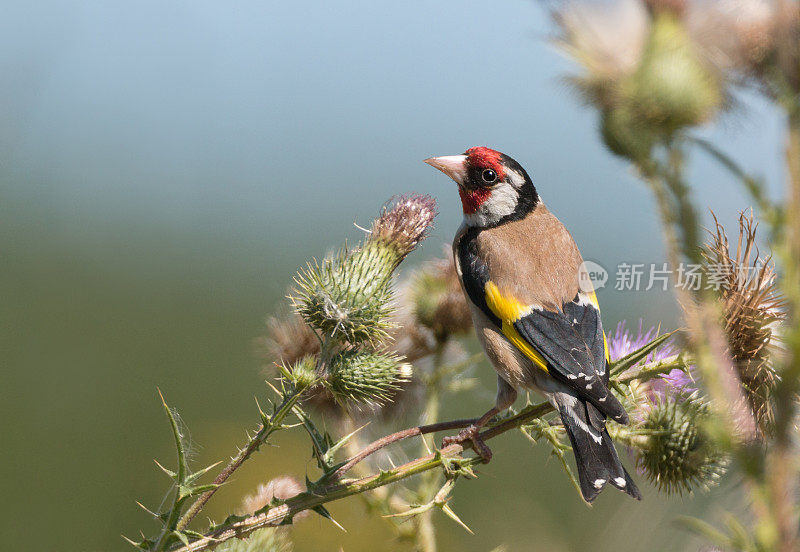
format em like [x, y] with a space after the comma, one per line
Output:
[471, 200]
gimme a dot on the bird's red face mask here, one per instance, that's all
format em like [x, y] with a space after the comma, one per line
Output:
[476, 172]
[489, 187]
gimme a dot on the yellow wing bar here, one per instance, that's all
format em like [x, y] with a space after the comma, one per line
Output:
[509, 310]
[596, 303]
[504, 307]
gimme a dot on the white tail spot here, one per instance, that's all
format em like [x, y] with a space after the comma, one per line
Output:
[598, 483]
[620, 481]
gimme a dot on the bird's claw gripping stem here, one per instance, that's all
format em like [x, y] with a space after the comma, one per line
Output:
[472, 434]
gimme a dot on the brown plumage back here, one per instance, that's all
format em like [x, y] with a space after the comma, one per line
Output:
[545, 265]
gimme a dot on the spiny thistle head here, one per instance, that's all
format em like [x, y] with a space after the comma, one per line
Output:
[349, 296]
[438, 301]
[752, 309]
[676, 454]
[303, 373]
[369, 377]
[404, 222]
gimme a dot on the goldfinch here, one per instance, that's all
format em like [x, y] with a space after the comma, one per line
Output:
[520, 271]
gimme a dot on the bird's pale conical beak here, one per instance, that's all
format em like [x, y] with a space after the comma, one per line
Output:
[454, 166]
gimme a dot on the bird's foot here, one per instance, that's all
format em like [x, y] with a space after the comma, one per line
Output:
[472, 434]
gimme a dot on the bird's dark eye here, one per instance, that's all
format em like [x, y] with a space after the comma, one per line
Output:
[489, 175]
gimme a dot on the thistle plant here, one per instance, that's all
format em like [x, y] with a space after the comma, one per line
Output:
[349, 297]
[752, 311]
[718, 395]
[674, 451]
[366, 376]
[348, 370]
[687, 71]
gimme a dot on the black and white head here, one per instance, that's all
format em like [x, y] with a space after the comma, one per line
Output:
[493, 187]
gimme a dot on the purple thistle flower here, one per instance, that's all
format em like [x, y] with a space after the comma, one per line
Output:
[623, 342]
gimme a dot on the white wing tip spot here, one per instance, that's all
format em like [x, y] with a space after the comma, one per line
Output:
[603, 399]
[572, 376]
[620, 481]
[598, 483]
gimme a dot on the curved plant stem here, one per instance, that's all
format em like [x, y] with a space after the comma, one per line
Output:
[283, 513]
[426, 532]
[377, 445]
[270, 425]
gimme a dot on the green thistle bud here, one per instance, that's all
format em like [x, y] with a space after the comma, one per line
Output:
[676, 454]
[673, 86]
[303, 373]
[366, 377]
[625, 134]
[350, 295]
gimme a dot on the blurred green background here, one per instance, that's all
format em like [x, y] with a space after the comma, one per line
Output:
[166, 167]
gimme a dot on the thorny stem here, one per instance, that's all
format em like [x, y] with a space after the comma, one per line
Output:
[375, 446]
[707, 342]
[289, 400]
[276, 515]
[781, 476]
[426, 532]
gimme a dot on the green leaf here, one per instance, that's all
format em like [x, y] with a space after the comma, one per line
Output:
[185, 491]
[706, 530]
[539, 428]
[181, 537]
[170, 473]
[631, 359]
[146, 509]
[144, 544]
[227, 522]
[452, 515]
[413, 511]
[334, 448]
[182, 466]
[740, 536]
[191, 478]
[321, 510]
[319, 442]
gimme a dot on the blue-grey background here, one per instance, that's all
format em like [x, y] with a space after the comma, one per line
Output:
[165, 167]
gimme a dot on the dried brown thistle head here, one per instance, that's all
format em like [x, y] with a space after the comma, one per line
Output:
[438, 302]
[288, 340]
[752, 307]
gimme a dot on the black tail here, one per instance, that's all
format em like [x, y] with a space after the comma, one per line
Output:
[595, 456]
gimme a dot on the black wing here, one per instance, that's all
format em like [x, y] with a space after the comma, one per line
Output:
[573, 344]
